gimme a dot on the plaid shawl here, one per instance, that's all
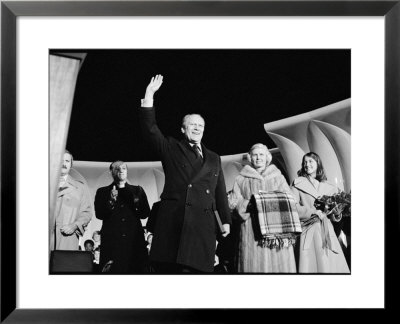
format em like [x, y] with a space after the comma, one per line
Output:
[278, 219]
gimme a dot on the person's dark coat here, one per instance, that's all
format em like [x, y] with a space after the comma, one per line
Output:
[186, 229]
[122, 234]
[151, 221]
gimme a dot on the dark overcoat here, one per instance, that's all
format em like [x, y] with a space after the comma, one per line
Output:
[186, 228]
[122, 234]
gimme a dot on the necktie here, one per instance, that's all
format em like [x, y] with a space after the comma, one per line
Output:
[197, 150]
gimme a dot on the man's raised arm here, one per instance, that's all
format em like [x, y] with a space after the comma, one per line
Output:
[154, 85]
[147, 118]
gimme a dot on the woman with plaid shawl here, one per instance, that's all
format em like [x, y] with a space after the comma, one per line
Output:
[320, 250]
[252, 255]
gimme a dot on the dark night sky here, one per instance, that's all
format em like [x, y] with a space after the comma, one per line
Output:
[236, 91]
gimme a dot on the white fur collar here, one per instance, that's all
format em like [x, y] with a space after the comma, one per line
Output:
[270, 171]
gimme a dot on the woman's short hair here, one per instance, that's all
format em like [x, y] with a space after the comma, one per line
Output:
[264, 147]
[320, 176]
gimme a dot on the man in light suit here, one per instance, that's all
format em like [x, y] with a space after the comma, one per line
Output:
[186, 229]
[73, 210]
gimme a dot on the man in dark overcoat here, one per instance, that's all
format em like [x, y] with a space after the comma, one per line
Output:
[186, 228]
[121, 206]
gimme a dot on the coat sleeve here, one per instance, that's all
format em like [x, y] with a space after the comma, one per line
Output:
[150, 130]
[241, 202]
[221, 198]
[85, 210]
[143, 204]
[302, 208]
[102, 206]
[151, 221]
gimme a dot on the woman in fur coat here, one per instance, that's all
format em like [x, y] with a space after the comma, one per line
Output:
[320, 250]
[260, 175]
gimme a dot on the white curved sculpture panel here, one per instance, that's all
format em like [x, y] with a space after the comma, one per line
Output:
[231, 171]
[148, 181]
[341, 143]
[293, 129]
[291, 152]
[326, 131]
[160, 180]
[63, 73]
[320, 144]
[337, 114]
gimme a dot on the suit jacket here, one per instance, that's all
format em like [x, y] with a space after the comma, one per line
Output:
[186, 229]
[73, 206]
[122, 234]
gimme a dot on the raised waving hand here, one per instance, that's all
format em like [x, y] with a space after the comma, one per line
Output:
[154, 85]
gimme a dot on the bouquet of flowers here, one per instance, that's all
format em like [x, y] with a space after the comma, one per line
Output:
[335, 206]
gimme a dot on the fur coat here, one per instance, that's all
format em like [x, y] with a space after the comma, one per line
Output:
[251, 257]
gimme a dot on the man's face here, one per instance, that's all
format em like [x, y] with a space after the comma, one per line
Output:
[66, 166]
[193, 129]
[120, 173]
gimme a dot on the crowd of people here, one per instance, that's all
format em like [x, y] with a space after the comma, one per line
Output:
[263, 225]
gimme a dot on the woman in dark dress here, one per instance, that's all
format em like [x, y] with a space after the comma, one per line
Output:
[121, 206]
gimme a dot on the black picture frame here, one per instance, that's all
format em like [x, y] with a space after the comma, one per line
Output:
[10, 10]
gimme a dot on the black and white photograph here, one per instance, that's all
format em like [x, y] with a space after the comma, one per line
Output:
[197, 161]
[200, 161]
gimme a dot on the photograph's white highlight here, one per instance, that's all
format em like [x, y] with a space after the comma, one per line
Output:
[363, 288]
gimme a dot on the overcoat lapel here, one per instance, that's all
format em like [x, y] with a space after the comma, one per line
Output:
[67, 188]
[184, 146]
[305, 185]
[208, 162]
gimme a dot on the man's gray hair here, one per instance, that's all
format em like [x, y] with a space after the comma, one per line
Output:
[186, 117]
